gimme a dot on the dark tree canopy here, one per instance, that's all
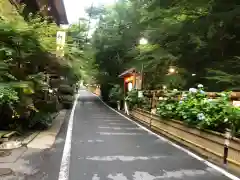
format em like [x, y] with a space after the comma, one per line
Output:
[198, 38]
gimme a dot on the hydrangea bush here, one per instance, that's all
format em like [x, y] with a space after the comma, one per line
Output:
[197, 109]
[135, 102]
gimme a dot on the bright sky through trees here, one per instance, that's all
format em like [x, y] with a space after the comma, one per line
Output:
[75, 9]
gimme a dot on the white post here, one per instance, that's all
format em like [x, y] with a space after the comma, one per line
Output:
[118, 105]
[126, 107]
[226, 145]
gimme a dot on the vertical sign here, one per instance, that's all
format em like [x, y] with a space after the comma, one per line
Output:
[140, 94]
[61, 36]
[236, 103]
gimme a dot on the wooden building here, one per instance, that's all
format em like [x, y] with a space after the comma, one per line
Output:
[53, 8]
[132, 80]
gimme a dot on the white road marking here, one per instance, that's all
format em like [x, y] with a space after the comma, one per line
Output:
[92, 141]
[95, 177]
[112, 120]
[118, 176]
[123, 158]
[169, 174]
[120, 124]
[219, 169]
[113, 133]
[118, 128]
[64, 167]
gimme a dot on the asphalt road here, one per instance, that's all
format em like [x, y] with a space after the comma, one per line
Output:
[105, 146]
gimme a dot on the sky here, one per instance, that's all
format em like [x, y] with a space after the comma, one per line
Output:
[75, 9]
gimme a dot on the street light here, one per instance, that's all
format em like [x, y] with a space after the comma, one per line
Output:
[143, 41]
[171, 70]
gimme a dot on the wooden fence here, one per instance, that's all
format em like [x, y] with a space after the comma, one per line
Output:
[207, 143]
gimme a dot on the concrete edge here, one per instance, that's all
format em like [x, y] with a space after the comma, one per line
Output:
[46, 139]
[30, 138]
[5, 171]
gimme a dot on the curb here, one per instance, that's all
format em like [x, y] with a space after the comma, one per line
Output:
[7, 146]
[5, 171]
[46, 139]
[31, 137]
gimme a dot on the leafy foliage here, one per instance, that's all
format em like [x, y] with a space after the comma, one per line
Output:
[196, 109]
[116, 93]
[28, 65]
[132, 99]
[168, 105]
[80, 54]
[41, 120]
[199, 38]
[8, 96]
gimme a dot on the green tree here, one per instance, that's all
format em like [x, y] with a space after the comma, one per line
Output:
[199, 38]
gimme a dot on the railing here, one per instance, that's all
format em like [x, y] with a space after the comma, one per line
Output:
[207, 143]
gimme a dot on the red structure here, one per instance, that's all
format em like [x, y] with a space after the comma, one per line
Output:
[132, 79]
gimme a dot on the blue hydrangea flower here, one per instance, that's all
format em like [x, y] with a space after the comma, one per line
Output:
[193, 90]
[200, 86]
[202, 92]
[200, 116]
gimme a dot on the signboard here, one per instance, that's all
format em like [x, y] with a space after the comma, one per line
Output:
[140, 94]
[61, 35]
[236, 103]
[60, 40]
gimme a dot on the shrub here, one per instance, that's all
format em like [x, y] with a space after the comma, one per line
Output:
[66, 89]
[40, 120]
[195, 108]
[67, 98]
[145, 103]
[55, 82]
[47, 106]
[116, 93]
[168, 105]
[8, 96]
[67, 101]
[8, 101]
[234, 120]
[133, 100]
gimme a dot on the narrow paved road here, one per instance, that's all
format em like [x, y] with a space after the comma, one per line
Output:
[107, 146]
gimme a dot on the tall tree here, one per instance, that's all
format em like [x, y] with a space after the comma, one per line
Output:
[200, 39]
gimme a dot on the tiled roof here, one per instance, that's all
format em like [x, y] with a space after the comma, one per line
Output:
[128, 71]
